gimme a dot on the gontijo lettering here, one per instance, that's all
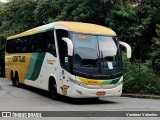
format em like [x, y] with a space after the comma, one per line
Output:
[18, 58]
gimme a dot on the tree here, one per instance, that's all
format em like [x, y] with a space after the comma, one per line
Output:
[47, 9]
[17, 16]
[155, 54]
[136, 25]
[87, 11]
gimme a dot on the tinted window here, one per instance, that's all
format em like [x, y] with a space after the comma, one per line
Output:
[43, 42]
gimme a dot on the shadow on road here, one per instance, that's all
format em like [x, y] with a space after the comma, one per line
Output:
[75, 101]
[86, 101]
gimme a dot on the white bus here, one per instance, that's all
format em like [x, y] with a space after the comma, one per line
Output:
[74, 59]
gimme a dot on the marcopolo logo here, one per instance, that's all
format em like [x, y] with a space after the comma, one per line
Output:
[18, 58]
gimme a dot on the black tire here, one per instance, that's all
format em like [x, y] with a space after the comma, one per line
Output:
[16, 80]
[13, 81]
[53, 89]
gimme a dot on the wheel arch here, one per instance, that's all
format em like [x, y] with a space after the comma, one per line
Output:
[50, 79]
[12, 74]
[16, 74]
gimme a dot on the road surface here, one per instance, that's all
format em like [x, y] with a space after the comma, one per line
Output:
[32, 99]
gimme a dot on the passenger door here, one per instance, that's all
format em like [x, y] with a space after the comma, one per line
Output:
[64, 61]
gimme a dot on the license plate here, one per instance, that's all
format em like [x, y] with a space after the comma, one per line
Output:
[101, 93]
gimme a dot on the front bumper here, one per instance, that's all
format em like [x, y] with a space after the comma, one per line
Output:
[76, 91]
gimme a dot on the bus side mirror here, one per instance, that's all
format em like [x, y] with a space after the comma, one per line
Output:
[69, 45]
[129, 51]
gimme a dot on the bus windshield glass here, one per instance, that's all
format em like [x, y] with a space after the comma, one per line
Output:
[95, 55]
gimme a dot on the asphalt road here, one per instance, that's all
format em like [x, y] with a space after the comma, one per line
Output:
[32, 99]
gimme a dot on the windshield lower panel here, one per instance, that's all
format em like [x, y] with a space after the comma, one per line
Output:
[96, 56]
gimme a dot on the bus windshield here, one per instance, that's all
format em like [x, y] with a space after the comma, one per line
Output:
[95, 55]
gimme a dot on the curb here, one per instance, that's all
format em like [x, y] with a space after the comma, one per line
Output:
[141, 96]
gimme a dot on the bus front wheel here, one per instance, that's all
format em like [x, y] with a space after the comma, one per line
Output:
[53, 89]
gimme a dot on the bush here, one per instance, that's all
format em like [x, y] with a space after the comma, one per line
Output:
[139, 77]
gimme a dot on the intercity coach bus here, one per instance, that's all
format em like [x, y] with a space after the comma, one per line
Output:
[79, 60]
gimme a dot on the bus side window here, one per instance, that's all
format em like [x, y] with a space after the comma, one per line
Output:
[24, 45]
[17, 45]
[38, 43]
[27, 44]
[9, 47]
[50, 42]
[42, 42]
[34, 43]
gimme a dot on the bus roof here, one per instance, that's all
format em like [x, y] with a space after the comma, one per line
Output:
[79, 27]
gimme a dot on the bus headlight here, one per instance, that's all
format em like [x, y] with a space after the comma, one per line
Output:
[120, 82]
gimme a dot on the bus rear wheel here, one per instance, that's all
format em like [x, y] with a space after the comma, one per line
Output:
[53, 89]
[16, 81]
[13, 81]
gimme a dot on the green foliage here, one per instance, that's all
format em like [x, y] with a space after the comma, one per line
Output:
[135, 25]
[155, 54]
[140, 78]
[46, 10]
[17, 16]
[86, 10]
